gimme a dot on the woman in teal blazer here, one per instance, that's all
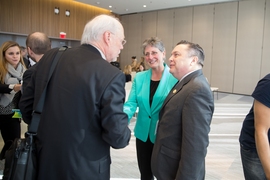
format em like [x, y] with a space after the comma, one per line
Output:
[149, 90]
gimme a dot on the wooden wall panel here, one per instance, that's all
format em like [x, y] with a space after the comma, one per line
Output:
[202, 34]
[64, 20]
[165, 21]
[35, 16]
[49, 20]
[27, 16]
[19, 14]
[265, 67]
[125, 53]
[183, 23]
[224, 40]
[133, 36]
[149, 25]
[249, 46]
[6, 15]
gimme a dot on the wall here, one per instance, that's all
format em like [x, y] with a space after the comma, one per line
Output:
[235, 37]
[26, 16]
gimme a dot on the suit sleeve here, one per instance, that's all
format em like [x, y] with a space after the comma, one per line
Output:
[114, 120]
[4, 88]
[131, 104]
[31, 92]
[26, 79]
[197, 116]
[27, 101]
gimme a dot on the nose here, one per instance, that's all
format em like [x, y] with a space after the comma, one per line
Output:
[171, 59]
[122, 46]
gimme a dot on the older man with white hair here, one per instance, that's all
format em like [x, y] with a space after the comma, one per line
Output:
[83, 113]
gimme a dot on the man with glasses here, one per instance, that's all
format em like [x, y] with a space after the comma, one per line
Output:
[83, 113]
[184, 120]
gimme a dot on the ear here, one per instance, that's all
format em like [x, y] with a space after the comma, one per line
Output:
[194, 60]
[164, 54]
[107, 37]
[29, 51]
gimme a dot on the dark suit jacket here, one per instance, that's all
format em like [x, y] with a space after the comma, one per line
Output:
[26, 62]
[182, 135]
[27, 76]
[82, 117]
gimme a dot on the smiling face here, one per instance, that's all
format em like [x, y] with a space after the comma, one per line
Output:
[13, 56]
[181, 62]
[154, 57]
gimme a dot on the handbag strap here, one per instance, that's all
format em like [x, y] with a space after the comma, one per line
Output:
[33, 127]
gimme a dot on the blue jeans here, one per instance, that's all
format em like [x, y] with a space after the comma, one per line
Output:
[252, 166]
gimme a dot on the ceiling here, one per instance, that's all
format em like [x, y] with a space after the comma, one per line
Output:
[122, 7]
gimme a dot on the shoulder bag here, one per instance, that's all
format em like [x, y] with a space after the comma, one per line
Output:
[21, 157]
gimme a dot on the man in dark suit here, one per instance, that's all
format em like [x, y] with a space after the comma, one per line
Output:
[25, 57]
[83, 113]
[37, 44]
[182, 133]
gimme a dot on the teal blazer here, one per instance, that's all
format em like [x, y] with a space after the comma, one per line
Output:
[147, 118]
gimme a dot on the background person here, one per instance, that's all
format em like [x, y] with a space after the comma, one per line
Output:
[185, 116]
[83, 113]
[255, 136]
[149, 89]
[25, 56]
[141, 67]
[37, 44]
[11, 71]
[133, 63]
[127, 72]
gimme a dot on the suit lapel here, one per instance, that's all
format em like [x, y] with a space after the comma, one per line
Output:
[162, 87]
[180, 85]
[146, 91]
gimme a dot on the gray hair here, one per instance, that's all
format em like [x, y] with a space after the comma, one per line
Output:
[94, 29]
[153, 42]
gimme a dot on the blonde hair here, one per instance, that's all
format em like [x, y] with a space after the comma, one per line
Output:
[127, 69]
[3, 61]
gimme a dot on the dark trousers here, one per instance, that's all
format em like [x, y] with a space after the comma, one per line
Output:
[10, 129]
[144, 154]
[251, 164]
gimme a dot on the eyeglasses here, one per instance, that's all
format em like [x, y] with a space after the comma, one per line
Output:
[122, 41]
[153, 53]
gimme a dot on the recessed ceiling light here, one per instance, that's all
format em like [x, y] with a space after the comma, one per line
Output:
[126, 9]
[98, 2]
[144, 5]
[110, 6]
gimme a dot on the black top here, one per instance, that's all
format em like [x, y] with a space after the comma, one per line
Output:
[153, 88]
[128, 77]
[261, 94]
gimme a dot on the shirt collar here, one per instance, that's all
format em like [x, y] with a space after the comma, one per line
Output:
[187, 75]
[101, 53]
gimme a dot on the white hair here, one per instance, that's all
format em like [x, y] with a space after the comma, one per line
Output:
[94, 29]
